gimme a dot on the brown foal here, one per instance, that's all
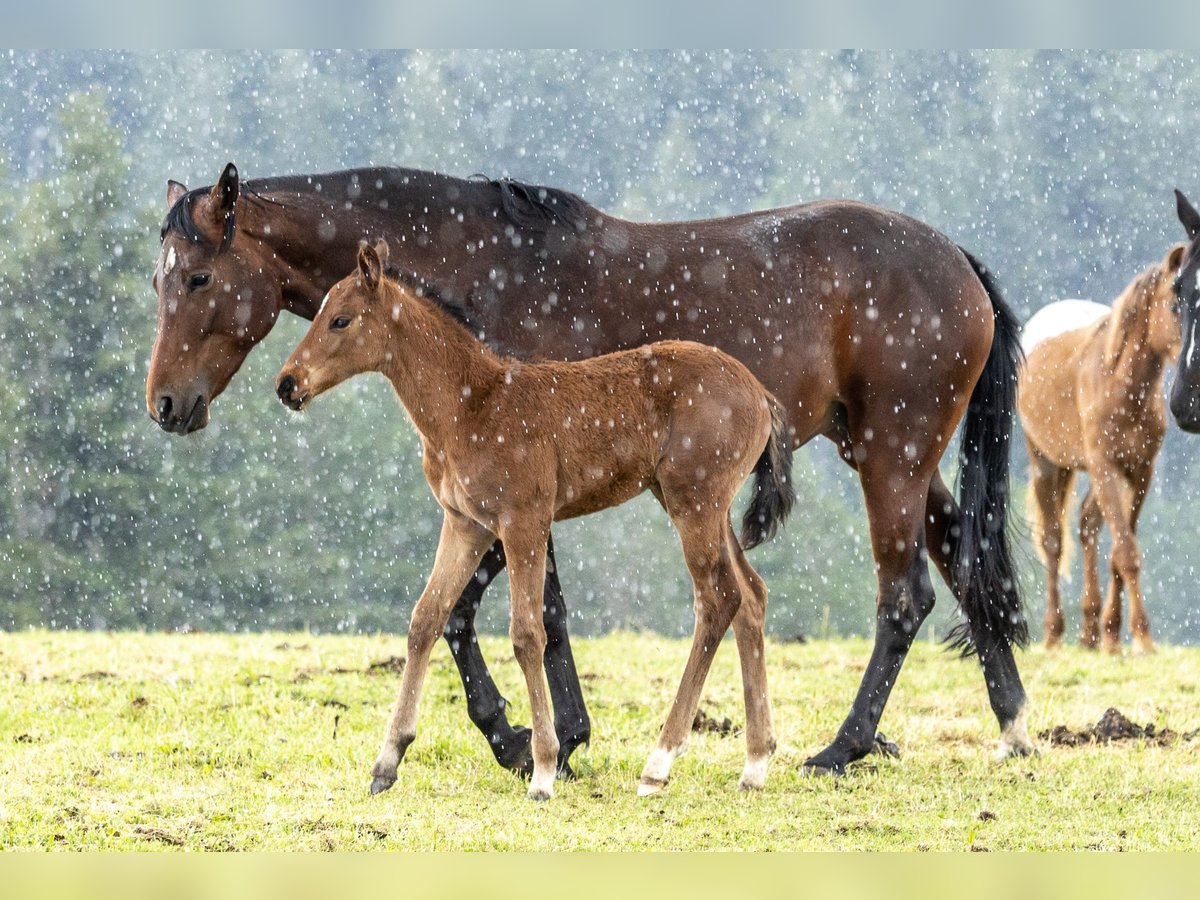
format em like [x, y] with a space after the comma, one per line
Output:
[1091, 399]
[510, 447]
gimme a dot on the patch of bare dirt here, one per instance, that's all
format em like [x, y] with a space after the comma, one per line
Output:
[392, 665]
[145, 832]
[1114, 726]
[704, 724]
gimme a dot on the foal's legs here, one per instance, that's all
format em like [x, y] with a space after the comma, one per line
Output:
[1120, 497]
[710, 561]
[526, 553]
[460, 547]
[485, 705]
[748, 625]
[1091, 520]
[1049, 486]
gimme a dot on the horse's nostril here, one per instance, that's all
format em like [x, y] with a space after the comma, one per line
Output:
[287, 384]
[164, 408]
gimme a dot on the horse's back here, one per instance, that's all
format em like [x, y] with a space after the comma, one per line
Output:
[1058, 318]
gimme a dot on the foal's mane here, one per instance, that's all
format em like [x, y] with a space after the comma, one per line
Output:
[1128, 312]
[423, 287]
[529, 207]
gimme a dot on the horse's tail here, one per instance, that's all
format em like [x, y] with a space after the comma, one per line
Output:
[1037, 526]
[774, 493]
[985, 578]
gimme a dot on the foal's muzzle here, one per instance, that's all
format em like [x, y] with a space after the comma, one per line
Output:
[287, 391]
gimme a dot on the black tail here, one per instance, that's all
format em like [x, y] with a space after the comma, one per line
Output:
[985, 580]
[773, 490]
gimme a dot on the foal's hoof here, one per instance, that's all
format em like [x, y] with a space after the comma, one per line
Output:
[379, 785]
[648, 787]
[884, 747]
[539, 795]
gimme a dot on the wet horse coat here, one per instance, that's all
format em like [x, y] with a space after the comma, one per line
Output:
[1091, 400]
[509, 447]
[870, 327]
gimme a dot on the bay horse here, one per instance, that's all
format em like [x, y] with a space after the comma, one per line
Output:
[509, 447]
[870, 327]
[1090, 399]
[1185, 392]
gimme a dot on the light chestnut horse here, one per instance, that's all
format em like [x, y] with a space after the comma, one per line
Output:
[1091, 399]
[510, 447]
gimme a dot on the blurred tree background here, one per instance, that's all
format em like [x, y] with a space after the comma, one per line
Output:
[1056, 169]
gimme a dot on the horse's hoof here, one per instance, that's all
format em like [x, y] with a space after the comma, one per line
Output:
[816, 770]
[648, 787]
[539, 795]
[565, 772]
[884, 747]
[1144, 648]
[379, 785]
[516, 754]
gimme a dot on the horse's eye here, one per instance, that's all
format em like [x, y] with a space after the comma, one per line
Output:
[199, 280]
[339, 323]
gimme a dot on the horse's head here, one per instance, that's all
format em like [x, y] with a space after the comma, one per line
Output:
[346, 337]
[217, 297]
[1185, 393]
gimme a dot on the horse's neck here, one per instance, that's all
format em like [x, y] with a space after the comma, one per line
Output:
[435, 366]
[315, 236]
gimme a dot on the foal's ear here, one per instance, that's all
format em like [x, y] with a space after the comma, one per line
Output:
[383, 252]
[1187, 215]
[370, 266]
[1174, 258]
[175, 192]
[225, 192]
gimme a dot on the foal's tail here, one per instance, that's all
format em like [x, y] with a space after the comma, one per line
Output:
[985, 579]
[773, 491]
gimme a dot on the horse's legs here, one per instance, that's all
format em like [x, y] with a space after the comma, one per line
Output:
[896, 500]
[748, 625]
[1139, 622]
[526, 551]
[717, 597]
[1006, 694]
[1091, 520]
[1048, 487]
[485, 704]
[571, 722]
[460, 547]
[1116, 497]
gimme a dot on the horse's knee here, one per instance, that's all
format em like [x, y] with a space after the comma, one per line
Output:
[528, 640]
[1126, 559]
[423, 632]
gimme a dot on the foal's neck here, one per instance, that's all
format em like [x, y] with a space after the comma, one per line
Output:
[439, 370]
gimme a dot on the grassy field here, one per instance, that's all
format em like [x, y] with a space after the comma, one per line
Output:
[218, 742]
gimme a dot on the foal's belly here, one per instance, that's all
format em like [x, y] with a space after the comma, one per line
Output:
[587, 492]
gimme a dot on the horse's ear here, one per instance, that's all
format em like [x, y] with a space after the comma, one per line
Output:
[175, 192]
[370, 266]
[1174, 259]
[1187, 215]
[225, 192]
[383, 251]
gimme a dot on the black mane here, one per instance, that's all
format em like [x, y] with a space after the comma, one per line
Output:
[423, 287]
[529, 207]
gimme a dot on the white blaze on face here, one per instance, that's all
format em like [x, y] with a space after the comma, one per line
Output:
[1191, 346]
[324, 300]
[169, 263]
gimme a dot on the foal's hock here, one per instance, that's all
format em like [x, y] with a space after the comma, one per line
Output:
[510, 447]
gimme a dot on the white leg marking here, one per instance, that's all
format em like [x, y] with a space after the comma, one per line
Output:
[1014, 740]
[754, 776]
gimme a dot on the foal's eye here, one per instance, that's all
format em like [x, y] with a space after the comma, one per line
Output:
[199, 280]
[339, 323]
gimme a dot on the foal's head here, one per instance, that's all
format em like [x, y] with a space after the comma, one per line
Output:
[349, 334]
[1164, 332]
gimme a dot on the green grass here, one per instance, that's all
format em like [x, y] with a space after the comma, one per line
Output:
[219, 742]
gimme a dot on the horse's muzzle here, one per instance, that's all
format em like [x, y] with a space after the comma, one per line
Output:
[286, 389]
[181, 418]
[1185, 404]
